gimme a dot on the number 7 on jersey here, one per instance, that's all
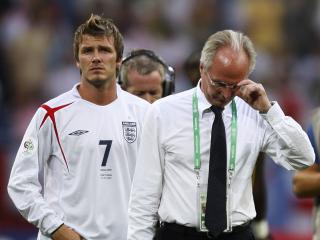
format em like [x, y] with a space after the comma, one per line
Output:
[108, 144]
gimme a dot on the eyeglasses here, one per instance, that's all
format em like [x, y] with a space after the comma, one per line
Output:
[220, 84]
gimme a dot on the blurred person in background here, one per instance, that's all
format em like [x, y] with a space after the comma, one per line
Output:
[191, 68]
[174, 172]
[306, 183]
[260, 226]
[146, 75]
[85, 143]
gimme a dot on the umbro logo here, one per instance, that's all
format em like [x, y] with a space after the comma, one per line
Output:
[78, 132]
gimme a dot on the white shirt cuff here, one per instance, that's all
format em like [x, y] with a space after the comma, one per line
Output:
[274, 115]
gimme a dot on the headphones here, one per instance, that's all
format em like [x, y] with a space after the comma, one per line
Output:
[169, 73]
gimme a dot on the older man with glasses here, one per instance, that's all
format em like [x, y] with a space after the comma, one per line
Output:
[199, 148]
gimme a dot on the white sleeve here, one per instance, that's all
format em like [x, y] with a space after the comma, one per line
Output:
[24, 187]
[286, 142]
[147, 182]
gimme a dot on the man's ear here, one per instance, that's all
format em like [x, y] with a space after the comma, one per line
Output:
[78, 66]
[201, 67]
[118, 66]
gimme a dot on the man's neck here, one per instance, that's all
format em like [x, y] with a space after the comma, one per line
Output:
[101, 95]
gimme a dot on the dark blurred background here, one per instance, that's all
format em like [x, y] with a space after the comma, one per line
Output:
[36, 64]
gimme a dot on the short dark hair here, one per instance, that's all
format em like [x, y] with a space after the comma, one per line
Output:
[97, 26]
[191, 67]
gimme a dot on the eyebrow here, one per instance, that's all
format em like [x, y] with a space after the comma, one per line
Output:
[99, 47]
[219, 81]
[224, 83]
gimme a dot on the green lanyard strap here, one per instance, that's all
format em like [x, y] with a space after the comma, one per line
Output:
[196, 133]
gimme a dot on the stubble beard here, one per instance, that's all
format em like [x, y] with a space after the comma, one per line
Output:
[98, 82]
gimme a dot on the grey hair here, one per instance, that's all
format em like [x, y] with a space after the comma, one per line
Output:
[236, 40]
[143, 65]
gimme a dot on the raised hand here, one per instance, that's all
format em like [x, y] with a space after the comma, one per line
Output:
[254, 94]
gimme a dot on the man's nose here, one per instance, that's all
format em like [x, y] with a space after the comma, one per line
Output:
[96, 57]
[226, 92]
[148, 97]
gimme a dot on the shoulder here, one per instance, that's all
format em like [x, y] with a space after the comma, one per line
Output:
[63, 99]
[177, 100]
[173, 106]
[134, 100]
[133, 104]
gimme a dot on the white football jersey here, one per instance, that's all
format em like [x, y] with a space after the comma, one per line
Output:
[87, 154]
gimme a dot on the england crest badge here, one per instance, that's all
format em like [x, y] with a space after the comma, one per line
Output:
[129, 131]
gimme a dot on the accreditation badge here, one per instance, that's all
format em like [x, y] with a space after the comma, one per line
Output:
[202, 201]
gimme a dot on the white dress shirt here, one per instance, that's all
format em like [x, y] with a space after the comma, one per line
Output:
[165, 182]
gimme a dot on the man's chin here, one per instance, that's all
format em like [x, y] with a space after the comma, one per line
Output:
[219, 103]
[98, 82]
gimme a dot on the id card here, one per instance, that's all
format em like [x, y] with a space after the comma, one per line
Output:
[202, 201]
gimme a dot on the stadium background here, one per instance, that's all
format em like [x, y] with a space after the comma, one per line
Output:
[36, 63]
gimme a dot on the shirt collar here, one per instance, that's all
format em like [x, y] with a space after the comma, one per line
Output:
[75, 91]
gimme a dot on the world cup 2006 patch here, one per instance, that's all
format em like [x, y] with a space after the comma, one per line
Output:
[129, 131]
[29, 146]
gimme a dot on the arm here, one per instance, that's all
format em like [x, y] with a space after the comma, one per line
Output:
[306, 183]
[24, 187]
[284, 141]
[147, 183]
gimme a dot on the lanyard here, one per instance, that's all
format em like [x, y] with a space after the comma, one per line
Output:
[196, 134]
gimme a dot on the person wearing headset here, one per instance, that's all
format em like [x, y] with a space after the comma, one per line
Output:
[146, 75]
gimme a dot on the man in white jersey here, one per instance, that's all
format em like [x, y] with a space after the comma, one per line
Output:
[85, 142]
[199, 147]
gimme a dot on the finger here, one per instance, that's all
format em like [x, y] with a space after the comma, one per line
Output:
[249, 93]
[253, 96]
[245, 82]
[240, 92]
[244, 89]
